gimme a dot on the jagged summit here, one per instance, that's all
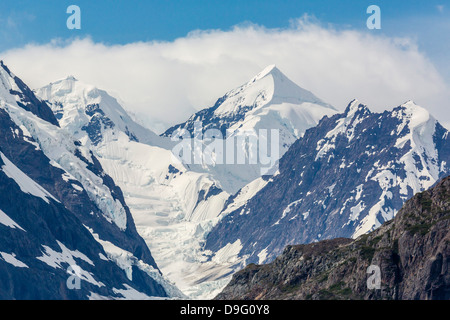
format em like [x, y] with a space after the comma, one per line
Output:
[269, 93]
[7, 82]
[343, 178]
[62, 210]
[270, 86]
[269, 101]
[91, 113]
[269, 70]
[14, 91]
[71, 78]
[411, 107]
[415, 117]
[4, 67]
[352, 105]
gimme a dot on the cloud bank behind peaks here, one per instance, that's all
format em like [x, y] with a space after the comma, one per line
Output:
[167, 81]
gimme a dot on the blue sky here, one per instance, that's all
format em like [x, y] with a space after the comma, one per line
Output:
[122, 21]
[152, 42]
[125, 21]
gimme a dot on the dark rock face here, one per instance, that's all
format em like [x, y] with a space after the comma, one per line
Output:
[49, 224]
[343, 178]
[208, 119]
[97, 122]
[61, 225]
[412, 253]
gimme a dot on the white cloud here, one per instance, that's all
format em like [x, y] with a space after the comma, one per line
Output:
[169, 80]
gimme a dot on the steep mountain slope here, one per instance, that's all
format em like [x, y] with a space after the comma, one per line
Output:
[246, 106]
[269, 101]
[412, 253]
[175, 204]
[172, 207]
[343, 178]
[42, 244]
[88, 112]
[13, 89]
[76, 205]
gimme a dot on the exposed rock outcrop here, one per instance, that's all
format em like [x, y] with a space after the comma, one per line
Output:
[411, 251]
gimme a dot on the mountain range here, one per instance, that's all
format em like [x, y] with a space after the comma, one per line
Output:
[268, 101]
[343, 178]
[60, 211]
[173, 203]
[100, 192]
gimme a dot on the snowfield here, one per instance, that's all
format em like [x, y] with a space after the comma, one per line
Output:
[163, 196]
[32, 123]
[175, 206]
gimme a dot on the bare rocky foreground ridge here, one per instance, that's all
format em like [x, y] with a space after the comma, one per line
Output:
[412, 252]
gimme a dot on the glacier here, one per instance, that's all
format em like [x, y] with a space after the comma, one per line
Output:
[175, 205]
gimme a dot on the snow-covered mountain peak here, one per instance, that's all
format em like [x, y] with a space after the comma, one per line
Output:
[255, 93]
[8, 85]
[4, 71]
[354, 104]
[413, 112]
[355, 110]
[14, 91]
[269, 101]
[71, 78]
[91, 114]
[78, 92]
[271, 69]
[270, 96]
[6, 82]
[417, 119]
[268, 87]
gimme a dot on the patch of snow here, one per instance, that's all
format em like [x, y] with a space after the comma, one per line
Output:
[56, 259]
[26, 184]
[228, 253]
[305, 215]
[356, 210]
[11, 259]
[7, 221]
[130, 293]
[262, 256]
[78, 188]
[126, 260]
